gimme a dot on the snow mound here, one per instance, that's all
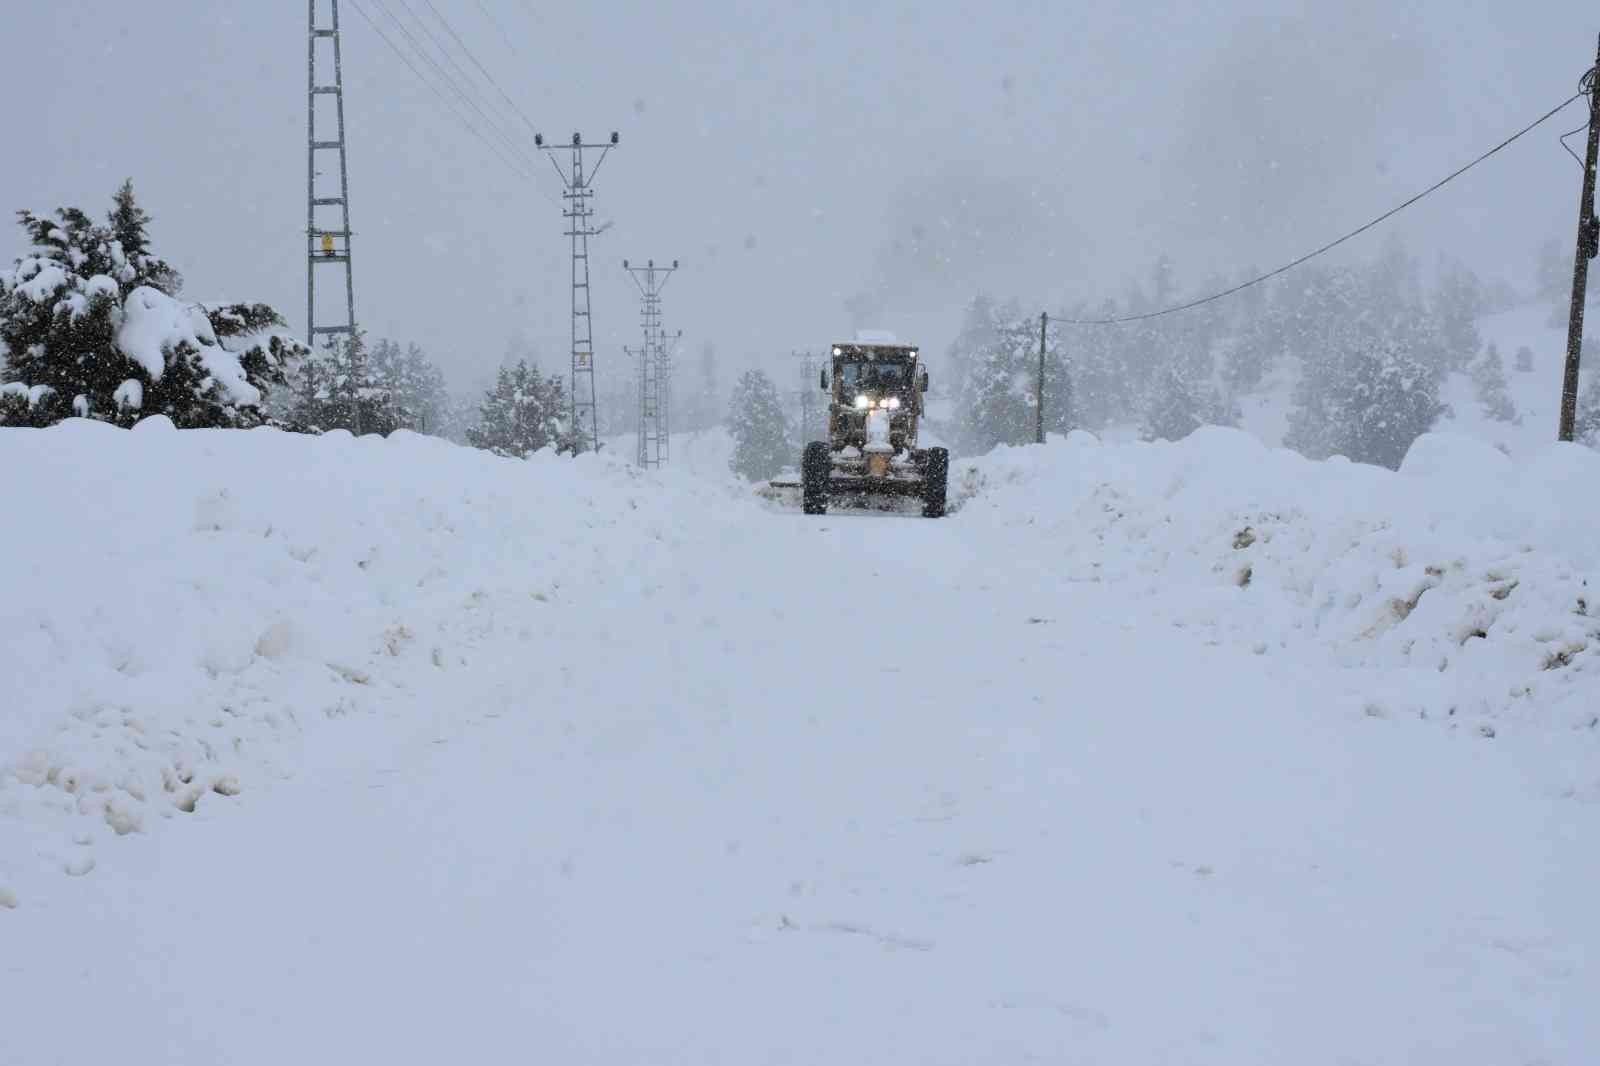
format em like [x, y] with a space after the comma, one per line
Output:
[1474, 575]
[227, 594]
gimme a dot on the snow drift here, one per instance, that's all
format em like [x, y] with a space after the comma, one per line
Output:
[593, 765]
[1474, 575]
[184, 610]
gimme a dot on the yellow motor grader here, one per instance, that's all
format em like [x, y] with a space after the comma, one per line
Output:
[875, 402]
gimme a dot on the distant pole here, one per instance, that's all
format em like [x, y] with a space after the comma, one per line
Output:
[808, 392]
[1038, 430]
[655, 365]
[1588, 240]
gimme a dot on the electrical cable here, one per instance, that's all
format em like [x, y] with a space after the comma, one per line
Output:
[482, 69]
[509, 142]
[1436, 186]
[450, 105]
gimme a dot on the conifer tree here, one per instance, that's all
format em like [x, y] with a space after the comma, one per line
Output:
[1489, 381]
[1457, 305]
[760, 428]
[130, 249]
[1586, 427]
[523, 413]
[97, 332]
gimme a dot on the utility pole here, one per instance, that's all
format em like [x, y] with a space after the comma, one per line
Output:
[327, 209]
[1588, 241]
[1038, 430]
[579, 214]
[654, 366]
[808, 393]
[666, 352]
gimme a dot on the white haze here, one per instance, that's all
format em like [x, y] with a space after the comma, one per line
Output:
[842, 165]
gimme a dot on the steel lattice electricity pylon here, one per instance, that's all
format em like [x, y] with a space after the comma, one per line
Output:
[654, 364]
[809, 395]
[579, 214]
[668, 344]
[327, 212]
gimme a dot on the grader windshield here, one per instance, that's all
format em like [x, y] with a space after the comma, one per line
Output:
[866, 377]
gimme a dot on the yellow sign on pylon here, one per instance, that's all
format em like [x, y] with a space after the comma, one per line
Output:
[327, 244]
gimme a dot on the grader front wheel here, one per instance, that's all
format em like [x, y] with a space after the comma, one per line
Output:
[935, 483]
[815, 469]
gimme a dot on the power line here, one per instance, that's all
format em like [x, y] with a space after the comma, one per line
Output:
[503, 94]
[450, 105]
[1269, 275]
[509, 142]
[500, 29]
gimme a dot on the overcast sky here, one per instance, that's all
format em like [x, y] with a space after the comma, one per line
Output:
[816, 167]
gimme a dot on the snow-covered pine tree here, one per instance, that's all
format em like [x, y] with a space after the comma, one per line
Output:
[979, 328]
[458, 414]
[1100, 389]
[1263, 336]
[344, 391]
[1371, 377]
[130, 249]
[1586, 426]
[1328, 328]
[413, 385]
[554, 414]
[1524, 361]
[523, 413]
[1458, 302]
[98, 333]
[492, 431]
[762, 444]
[996, 398]
[1489, 381]
[1174, 410]
[429, 403]
[1393, 399]
[1181, 402]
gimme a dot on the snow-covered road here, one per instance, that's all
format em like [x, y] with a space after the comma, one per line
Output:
[778, 789]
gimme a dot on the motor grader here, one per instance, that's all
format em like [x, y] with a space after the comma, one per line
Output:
[876, 396]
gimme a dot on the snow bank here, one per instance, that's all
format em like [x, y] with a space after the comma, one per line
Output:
[1475, 574]
[182, 611]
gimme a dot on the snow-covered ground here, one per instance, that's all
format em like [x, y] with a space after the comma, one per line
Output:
[322, 749]
[1536, 393]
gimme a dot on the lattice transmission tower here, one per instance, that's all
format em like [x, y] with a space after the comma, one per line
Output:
[579, 214]
[327, 206]
[812, 418]
[654, 365]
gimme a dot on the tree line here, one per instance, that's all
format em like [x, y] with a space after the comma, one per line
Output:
[1367, 347]
[93, 325]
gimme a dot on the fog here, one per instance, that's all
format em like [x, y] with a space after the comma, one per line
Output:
[816, 168]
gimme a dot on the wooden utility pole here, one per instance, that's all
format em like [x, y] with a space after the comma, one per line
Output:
[1588, 240]
[1038, 429]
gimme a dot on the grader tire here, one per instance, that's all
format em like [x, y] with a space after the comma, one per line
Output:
[935, 483]
[815, 468]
